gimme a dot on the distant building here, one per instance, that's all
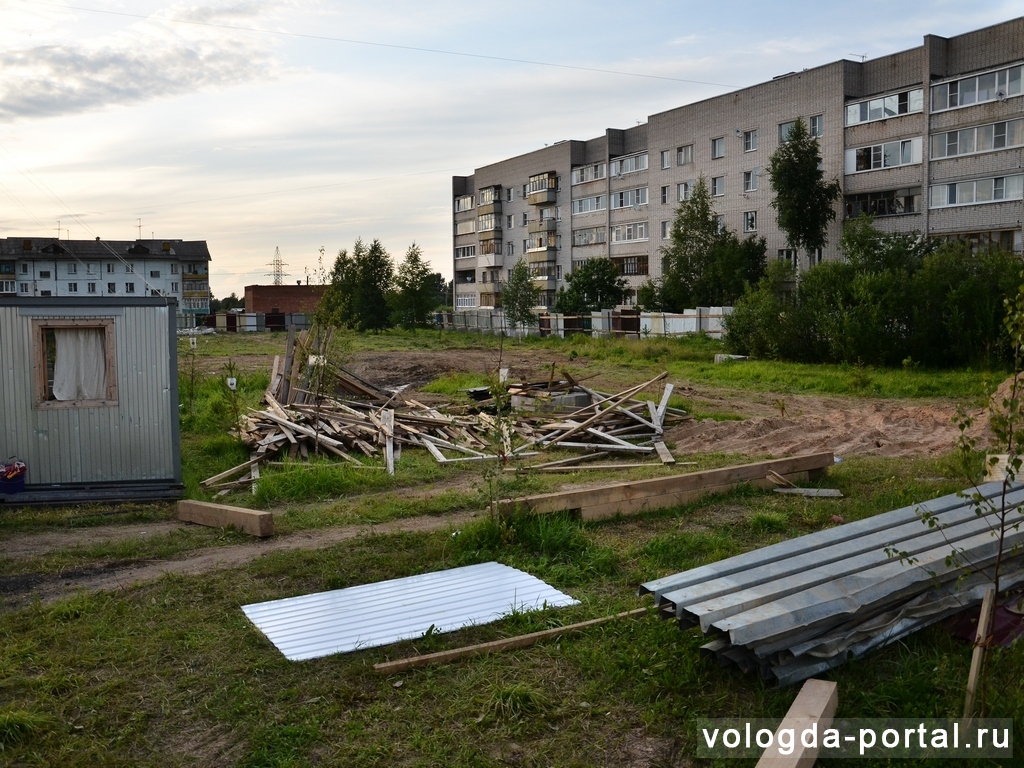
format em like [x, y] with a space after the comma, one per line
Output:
[930, 139]
[283, 299]
[46, 267]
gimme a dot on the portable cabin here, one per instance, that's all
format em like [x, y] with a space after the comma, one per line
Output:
[89, 392]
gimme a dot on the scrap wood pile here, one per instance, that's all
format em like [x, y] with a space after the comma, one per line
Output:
[314, 406]
[797, 608]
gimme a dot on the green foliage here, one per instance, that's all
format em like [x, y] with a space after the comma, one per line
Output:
[357, 296]
[18, 724]
[704, 265]
[455, 383]
[804, 202]
[223, 305]
[519, 296]
[593, 285]
[416, 288]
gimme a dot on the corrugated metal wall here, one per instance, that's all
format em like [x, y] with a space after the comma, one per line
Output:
[134, 440]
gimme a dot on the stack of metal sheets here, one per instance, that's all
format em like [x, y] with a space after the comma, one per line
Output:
[799, 607]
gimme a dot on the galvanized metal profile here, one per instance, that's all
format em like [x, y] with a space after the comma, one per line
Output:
[369, 615]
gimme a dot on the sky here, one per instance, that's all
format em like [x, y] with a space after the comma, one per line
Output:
[306, 124]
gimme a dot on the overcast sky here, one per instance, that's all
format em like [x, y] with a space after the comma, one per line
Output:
[303, 124]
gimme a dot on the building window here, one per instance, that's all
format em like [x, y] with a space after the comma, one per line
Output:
[463, 203]
[717, 148]
[684, 155]
[665, 195]
[509, 194]
[787, 255]
[72, 269]
[72, 287]
[784, 131]
[487, 222]
[666, 230]
[588, 173]
[717, 186]
[1009, 240]
[44, 274]
[75, 364]
[510, 221]
[666, 158]
[629, 198]
[111, 288]
[466, 227]
[815, 257]
[23, 287]
[887, 203]
[817, 125]
[630, 164]
[7, 286]
[589, 204]
[750, 221]
[465, 251]
[489, 195]
[623, 233]
[719, 224]
[129, 268]
[110, 267]
[129, 287]
[750, 180]
[526, 218]
[174, 287]
[589, 236]
[631, 265]
[90, 287]
[154, 273]
[749, 141]
[984, 138]
[892, 154]
[463, 300]
[542, 182]
[526, 245]
[884, 107]
[977, 191]
[24, 268]
[977, 89]
[683, 191]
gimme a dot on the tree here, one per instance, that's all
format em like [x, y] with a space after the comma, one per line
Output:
[223, 305]
[595, 284]
[804, 202]
[414, 297]
[335, 306]
[357, 296]
[519, 296]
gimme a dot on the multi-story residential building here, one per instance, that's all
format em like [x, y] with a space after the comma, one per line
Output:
[928, 140]
[45, 266]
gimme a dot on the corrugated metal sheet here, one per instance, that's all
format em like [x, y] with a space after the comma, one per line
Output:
[343, 620]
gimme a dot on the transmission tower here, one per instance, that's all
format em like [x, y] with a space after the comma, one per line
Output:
[278, 266]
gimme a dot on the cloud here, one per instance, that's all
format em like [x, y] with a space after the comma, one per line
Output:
[150, 59]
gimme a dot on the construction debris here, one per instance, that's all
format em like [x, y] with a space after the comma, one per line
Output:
[797, 608]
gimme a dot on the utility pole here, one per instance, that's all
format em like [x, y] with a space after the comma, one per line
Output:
[278, 266]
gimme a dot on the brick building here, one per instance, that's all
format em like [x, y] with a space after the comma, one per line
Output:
[283, 299]
[929, 140]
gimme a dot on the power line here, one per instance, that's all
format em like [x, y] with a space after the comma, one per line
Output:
[351, 41]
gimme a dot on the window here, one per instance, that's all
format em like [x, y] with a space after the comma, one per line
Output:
[630, 198]
[889, 155]
[784, 130]
[984, 138]
[24, 268]
[130, 268]
[75, 364]
[509, 194]
[23, 287]
[623, 233]
[684, 155]
[589, 204]
[719, 223]
[888, 203]
[174, 268]
[110, 267]
[589, 236]
[630, 164]
[665, 199]
[977, 89]
[489, 195]
[526, 245]
[541, 182]
[884, 107]
[510, 221]
[666, 230]
[129, 287]
[90, 288]
[816, 125]
[750, 221]
[717, 186]
[815, 257]
[154, 273]
[463, 203]
[666, 158]
[526, 218]
[174, 287]
[750, 180]
[72, 268]
[588, 173]
[787, 255]
[44, 274]
[978, 191]
[111, 287]
[7, 286]
[631, 265]
[72, 287]
[463, 300]
[749, 141]
[466, 227]
[717, 148]
[683, 191]
[465, 251]
[1010, 240]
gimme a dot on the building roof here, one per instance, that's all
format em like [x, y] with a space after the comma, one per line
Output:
[49, 247]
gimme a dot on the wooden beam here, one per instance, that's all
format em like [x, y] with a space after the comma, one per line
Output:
[981, 640]
[496, 646]
[812, 493]
[815, 704]
[664, 453]
[252, 521]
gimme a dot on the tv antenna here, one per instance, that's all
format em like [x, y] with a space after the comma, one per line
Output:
[861, 56]
[140, 229]
[278, 266]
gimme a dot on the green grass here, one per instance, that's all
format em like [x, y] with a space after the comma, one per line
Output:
[456, 383]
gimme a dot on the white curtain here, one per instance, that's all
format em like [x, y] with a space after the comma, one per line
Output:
[80, 367]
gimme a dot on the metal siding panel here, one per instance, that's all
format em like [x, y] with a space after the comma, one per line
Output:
[366, 616]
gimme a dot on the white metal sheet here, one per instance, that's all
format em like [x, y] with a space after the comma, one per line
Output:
[343, 620]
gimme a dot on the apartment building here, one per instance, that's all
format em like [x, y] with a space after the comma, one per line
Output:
[928, 140]
[95, 268]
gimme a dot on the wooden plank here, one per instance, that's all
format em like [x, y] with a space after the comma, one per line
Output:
[980, 641]
[647, 494]
[495, 646]
[777, 479]
[815, 704]
[664, 453]
[252, 521]
[387, 420]
[613, 401]
[229, 472]
[663, 405]
[812, 493]
[286, 382]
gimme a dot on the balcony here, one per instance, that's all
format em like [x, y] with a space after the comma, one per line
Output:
[545, 282]
[540, 255]
[542, 196]
[542, 225]
[490, 260]
[488, 235]
[485, 208]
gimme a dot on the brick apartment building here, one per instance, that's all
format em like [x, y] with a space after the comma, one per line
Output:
[929, 140]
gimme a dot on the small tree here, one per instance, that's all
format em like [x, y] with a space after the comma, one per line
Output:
[374, 277]
[414, 297]
[595, 284]
[519, 296]
[686, 259]
[804, 202]
[335, 306]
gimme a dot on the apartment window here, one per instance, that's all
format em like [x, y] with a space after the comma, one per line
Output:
[509, 194]
[787, 255]
[23, 287]
[130, 268]
[784, 131]
[510, 221]
[465, 251]
[717, 148]
[129, 287]
[489, 195]
[111, 287]
[541, 182]
[589, 204]
[526, 245]
[666, 230]
[717, 186]
[683, 191]
[666, 158]
[983, 138]
[816, 125]
[719, 223]
[623, 233]
[463, 300]
[75, 365]
[893, 202]
[892, 154]
[629, 198]
[466, 227]
[7, 286]
[154, 273]
[684, 154]
[72, 269]
[463, 203]
[110, 267]
[631, 265]
[526, 218]
[977, 89]
[174, 269]
[750, 180]
[884, 107]
[90, 287]
[24, 268]
[72, 287]
[588, 173]
[630, 164]
[977, 191]
[665, 192]
[588, 236]
[750, 221]
[44, 274]
[749, 141]
[174, 287]
[815, 257]
[1010, 240]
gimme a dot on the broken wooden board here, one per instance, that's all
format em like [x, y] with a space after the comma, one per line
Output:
[815, 705]
[812, 493]
[251, 521]
[658, 493]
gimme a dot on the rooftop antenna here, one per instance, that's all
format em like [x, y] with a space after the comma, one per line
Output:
[140, 229]
[278, 266]
[860, 56]
[58, 229]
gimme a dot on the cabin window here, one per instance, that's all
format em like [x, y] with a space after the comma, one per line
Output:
[74, 363]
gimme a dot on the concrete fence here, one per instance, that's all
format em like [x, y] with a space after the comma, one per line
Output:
[709, 320]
